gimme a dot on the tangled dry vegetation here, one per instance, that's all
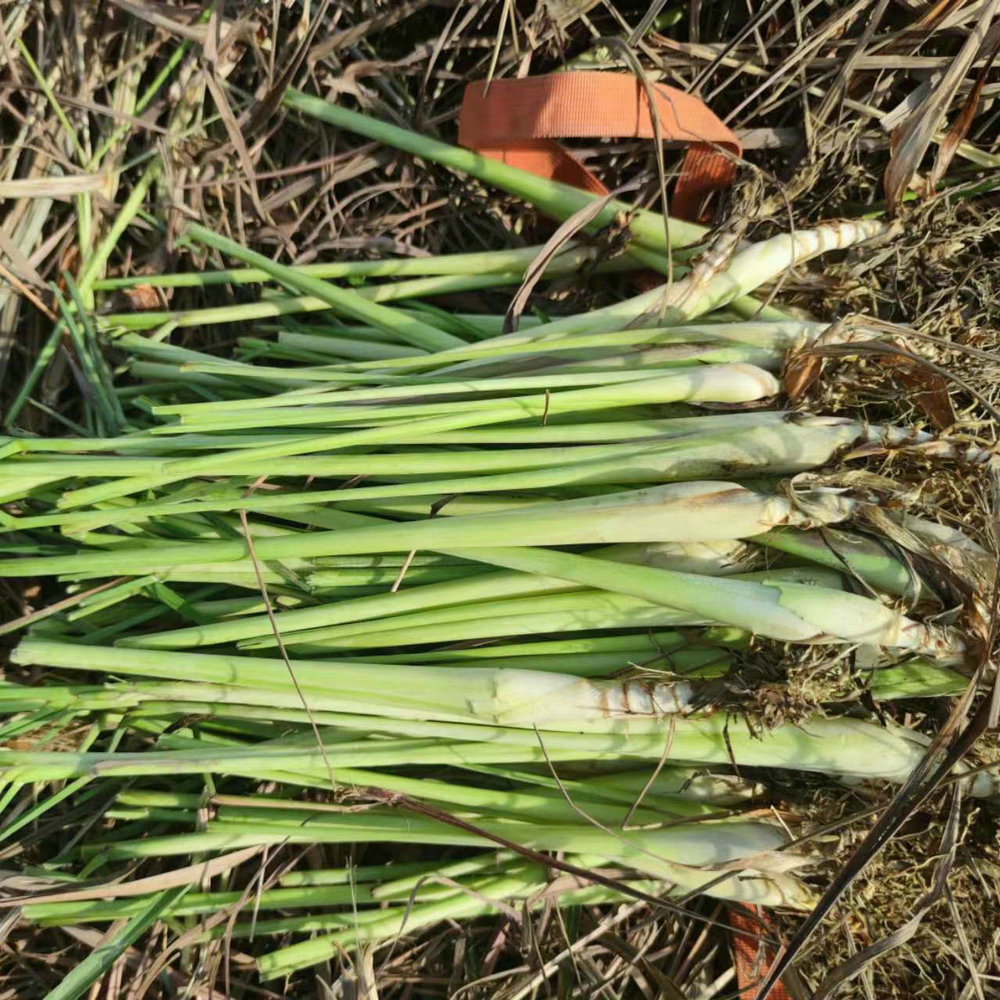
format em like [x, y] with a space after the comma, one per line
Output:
[172, 110]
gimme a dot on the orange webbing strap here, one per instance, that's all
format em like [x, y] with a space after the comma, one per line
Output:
[751, 957]
[516, 121]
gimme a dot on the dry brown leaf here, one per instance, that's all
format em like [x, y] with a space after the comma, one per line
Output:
[911, 139]
[961, 125]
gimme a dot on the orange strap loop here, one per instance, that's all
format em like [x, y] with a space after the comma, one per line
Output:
[516, 121]
[751, 964]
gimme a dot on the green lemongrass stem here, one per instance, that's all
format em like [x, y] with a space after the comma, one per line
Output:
[748, 269]
[692, 296]
[862, 556]
[364, 302]
[665, 351]
[736, 383]
[463, 593]
[838, 745]
[618, 651]
[531, 805]
[776, 449]
[744, 307]
[548, 433]
[680, 512]
[621, 784]
[617, 786]
[631, 368]
[672, 651]
[480, 326]
[479, 898]
[413, 463]
[512, 260]
[418, 398]
[552, 197]
[162, 351]
[388, 575]
[476, 898]
[687, 854]
[344, 301]
[392, 872]
[666, 852]
[497, 697]
[544, 797]
[553, 605]
[548, 613]
[916, 678]
[775, 335]
[156, 374]
[398, 890]
[668, 356]
[195, 903]
[310, 348]
[475, 597]
[777, 609]
[758, 450]
[717, 383]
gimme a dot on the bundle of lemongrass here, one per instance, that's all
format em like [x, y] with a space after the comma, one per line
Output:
[497, 573]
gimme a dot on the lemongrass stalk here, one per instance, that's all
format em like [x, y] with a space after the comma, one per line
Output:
[717, 558]
[719, 383]
[400, 889]
[774, 335]
[342, 300]
[863, 556]
[478, 694]
[361, 303]
[390, 872]
[155, 372]
[478, 898]
[564, 376]
[743, 307]
[552, 613]
[771, 336]
[515, 260]
[485, 324]
[644, 647]
[692, 296]
[916, 678]
[481, 897]
[549, 433]
[692, 659]
[837, 745]
[532, 805]
[559, 200]
[625, 783]
[672, 356]
[785, 449]
[340, 348]
[680, 512]
[782, 449]
[775, 608]
[735, 383]
[747, 270]
[195, 903]
[398, 400]
[488, 586]
[240, 371]
[689, 855]
[386, 577]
